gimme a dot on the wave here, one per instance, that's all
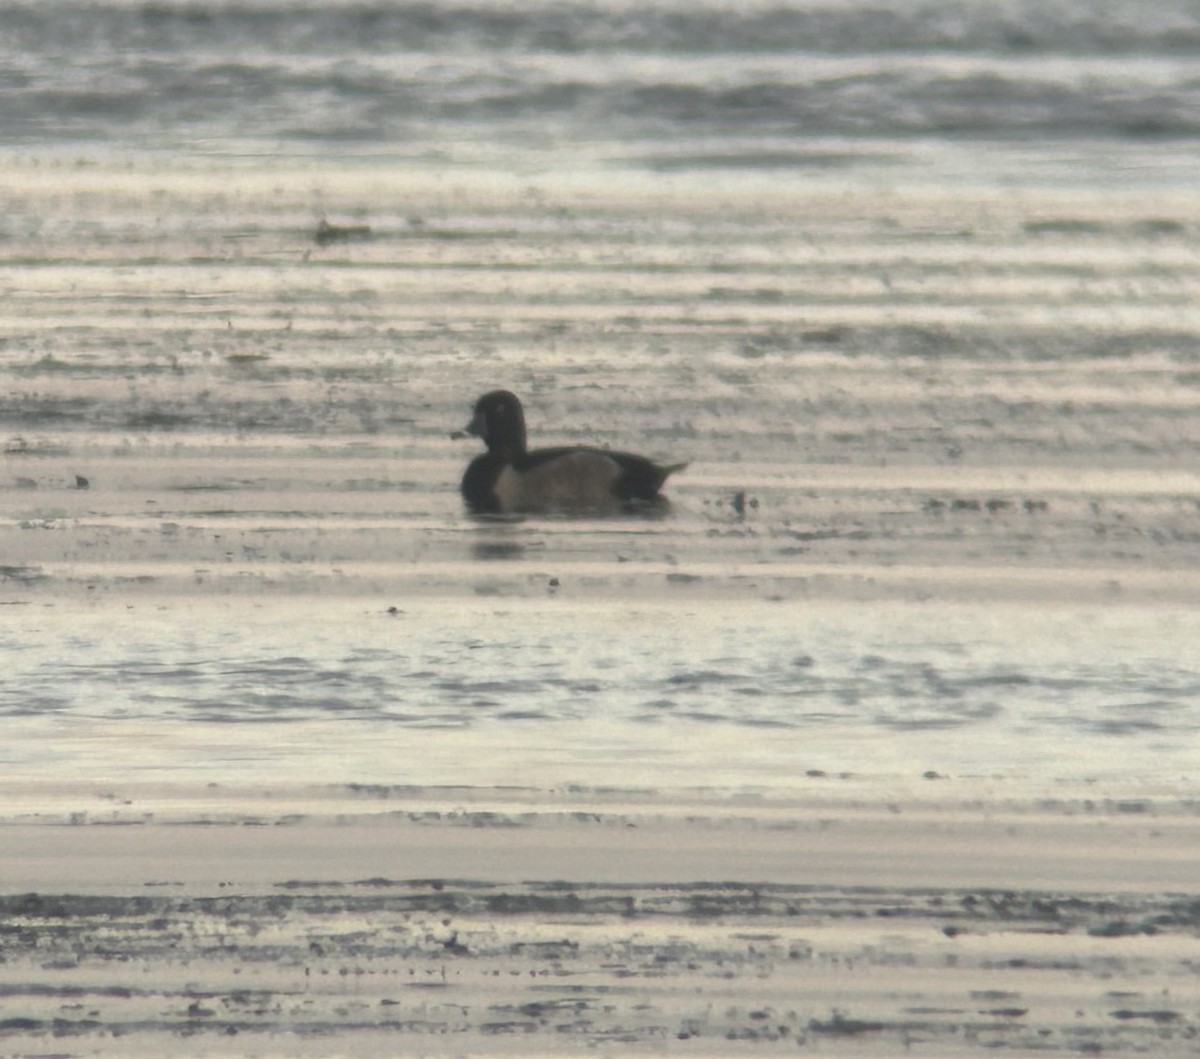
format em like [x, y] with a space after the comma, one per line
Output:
[158, 101]
[169, 74]
[558, 26]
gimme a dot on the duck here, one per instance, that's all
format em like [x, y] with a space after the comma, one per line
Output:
[511, 479]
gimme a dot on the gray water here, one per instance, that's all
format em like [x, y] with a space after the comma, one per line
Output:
[912, 287]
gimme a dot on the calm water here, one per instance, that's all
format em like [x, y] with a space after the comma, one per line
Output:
[919, 285]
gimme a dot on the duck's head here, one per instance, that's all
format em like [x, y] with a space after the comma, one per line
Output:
[499, 421]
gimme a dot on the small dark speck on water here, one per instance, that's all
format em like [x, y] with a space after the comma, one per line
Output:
[338, 233]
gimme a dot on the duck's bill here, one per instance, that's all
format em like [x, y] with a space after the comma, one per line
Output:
[474, 429]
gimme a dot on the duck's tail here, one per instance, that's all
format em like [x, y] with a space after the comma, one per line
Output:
[661, 472]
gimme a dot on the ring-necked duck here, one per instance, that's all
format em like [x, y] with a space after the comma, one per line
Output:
[510, 479]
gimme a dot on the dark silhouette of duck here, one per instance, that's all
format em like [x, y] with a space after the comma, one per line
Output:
[510, 479]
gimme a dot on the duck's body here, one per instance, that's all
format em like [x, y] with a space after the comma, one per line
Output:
[511, 479]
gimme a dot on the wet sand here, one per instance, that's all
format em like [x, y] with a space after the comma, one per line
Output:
[367, 921]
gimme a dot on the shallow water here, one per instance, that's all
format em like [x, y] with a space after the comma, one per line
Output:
[753, 696]
[942, 490]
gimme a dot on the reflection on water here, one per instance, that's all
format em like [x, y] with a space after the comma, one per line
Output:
[498, 548]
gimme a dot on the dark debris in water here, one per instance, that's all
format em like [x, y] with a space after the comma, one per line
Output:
[327, 233]
[992, 505]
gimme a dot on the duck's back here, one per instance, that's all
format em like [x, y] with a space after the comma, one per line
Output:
[562, 479]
